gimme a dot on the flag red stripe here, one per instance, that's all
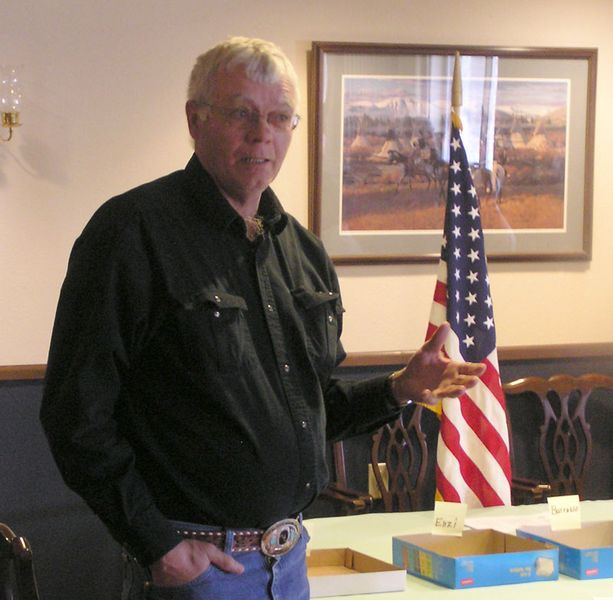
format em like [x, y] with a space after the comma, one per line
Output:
[440, 292]
[486, 432]
[471, 474]
[492, 438]
[446, 490]
[430, 331]
[491, 379]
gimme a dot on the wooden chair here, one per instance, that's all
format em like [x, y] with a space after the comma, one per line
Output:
[344, 500]
[17, 579]
[559, 450]
[403, 449]
[401, 455]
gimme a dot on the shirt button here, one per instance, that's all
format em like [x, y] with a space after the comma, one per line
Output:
[308, 485]
[217, 299]
[286, 368]
[330, 318]
[303, 424]
[217, 314]
[269, 307]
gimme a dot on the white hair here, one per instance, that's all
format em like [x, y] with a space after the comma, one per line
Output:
[263, 62]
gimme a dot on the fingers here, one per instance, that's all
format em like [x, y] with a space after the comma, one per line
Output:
[471, 369]
[450, 389]
[465, 381]
[436, 342]
[435, 396]
[187, 560]
[224, 561]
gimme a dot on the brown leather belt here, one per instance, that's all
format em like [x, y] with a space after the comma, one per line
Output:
[277, 540]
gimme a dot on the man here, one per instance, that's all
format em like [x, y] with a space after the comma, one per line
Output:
[189, 388]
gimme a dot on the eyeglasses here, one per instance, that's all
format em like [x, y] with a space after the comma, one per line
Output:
[243, 117]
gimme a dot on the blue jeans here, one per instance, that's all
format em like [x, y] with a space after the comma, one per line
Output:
[264, 578]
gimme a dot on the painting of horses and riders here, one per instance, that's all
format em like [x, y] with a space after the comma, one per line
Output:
[395, 152]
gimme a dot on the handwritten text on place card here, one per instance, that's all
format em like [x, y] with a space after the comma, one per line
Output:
[449, 518]
[564, 512]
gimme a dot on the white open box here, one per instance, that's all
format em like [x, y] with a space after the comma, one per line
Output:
[343, 571]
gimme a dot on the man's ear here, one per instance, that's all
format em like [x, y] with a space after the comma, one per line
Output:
[195, 116]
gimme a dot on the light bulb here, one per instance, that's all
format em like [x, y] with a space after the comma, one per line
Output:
[10, 90]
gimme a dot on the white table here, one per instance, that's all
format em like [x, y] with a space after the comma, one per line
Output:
[372, 534]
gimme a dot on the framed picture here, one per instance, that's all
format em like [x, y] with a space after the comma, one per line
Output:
[381, 125]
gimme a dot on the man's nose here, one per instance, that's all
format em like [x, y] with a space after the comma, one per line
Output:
[259, 126]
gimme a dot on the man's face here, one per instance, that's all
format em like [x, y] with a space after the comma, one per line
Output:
[243, 157]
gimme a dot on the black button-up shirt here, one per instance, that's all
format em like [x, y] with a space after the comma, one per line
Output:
[190, 371]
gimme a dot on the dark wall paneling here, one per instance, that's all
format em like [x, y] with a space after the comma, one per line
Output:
[74, 556]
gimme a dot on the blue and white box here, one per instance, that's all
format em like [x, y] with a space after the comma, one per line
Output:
[585, 553]
[478, 558]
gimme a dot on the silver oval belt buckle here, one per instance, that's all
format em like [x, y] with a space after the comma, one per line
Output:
[281, 537]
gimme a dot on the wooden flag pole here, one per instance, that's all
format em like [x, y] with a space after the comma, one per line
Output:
[456, 93]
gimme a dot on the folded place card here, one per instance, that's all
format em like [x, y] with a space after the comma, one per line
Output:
[448, 518]
[564, 512]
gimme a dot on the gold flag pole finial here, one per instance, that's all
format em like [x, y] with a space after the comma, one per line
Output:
[456, 93]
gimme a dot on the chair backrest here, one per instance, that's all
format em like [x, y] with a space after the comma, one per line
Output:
[17, 579]
[404, 449]
[564, 436]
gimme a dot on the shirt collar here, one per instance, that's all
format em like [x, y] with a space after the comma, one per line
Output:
[219, 212]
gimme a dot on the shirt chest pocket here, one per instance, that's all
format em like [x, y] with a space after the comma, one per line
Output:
[321, 316]
[214, 329]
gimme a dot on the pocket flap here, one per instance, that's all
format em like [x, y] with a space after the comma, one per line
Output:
[310, 299]
[217, 298]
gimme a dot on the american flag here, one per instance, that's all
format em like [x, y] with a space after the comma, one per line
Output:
[473, 464]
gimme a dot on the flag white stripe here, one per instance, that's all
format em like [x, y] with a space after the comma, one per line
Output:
[452, 346]
[488, 404]
[450, 467]
[442, 272]
[493, 358]
[438, 314]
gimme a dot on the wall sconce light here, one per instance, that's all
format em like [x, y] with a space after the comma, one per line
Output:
[10, 100]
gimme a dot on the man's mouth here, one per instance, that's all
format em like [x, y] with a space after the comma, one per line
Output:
[250, 160]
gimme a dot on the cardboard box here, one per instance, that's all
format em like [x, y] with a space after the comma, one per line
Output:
[343, 571]
[585, 553]
[477, 558]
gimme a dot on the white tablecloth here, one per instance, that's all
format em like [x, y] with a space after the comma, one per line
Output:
[372, 534]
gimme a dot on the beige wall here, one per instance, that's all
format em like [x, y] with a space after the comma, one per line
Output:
[104, 91]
